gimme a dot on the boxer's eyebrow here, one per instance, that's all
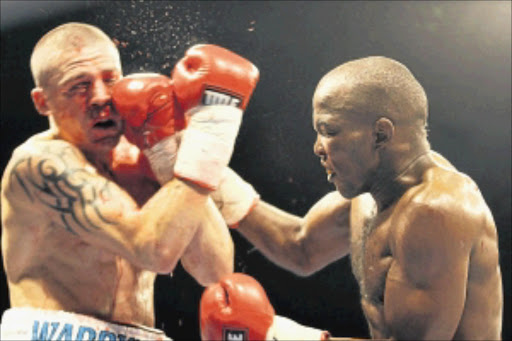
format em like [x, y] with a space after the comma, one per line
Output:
[73, 78]
[111, 74]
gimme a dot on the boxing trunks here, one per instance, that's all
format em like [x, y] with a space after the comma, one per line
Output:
[37, 324]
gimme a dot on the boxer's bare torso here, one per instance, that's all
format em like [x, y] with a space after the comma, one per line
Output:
[427, 262]
[413, 269]
[50, 267]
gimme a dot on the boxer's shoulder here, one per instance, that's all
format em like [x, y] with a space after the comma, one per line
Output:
[445, 180]
[44, 173]
[446, 207]
[452, 191]
[45, 145]
[39, 153]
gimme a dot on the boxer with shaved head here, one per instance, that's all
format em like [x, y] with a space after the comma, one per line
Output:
[421, 238]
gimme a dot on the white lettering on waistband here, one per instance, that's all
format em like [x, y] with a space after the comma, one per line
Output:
[49, 331]
[48, 325]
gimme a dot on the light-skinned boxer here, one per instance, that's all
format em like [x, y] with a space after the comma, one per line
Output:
[421, 238]
[87, 219]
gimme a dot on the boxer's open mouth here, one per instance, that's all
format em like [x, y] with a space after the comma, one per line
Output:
[106, 124]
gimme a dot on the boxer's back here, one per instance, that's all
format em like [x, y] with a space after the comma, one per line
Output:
[482, 316]
[50, 267]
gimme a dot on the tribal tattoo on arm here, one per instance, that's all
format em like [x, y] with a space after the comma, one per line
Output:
[74, 192]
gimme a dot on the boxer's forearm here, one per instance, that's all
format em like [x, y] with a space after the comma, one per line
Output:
[276, 234]
[302, 245]
[210, 254]
[167, 223]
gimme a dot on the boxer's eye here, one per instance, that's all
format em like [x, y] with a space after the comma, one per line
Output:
[330, 133]
[79, 88]
[327, 131]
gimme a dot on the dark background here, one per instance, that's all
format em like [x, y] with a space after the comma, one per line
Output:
[460, 52]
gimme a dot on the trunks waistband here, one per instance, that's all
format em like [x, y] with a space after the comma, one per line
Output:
[39, 324]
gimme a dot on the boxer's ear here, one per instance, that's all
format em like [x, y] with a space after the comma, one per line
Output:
[383, 131]
[39, 99]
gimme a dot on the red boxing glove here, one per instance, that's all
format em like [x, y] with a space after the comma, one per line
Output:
[212, 86]
[211, 75]
[146, 102]
[237, 308]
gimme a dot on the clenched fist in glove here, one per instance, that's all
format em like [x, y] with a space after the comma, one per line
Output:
[237, 308]
[209, 88]
[213, 75]
[147, 104]
[212, 86]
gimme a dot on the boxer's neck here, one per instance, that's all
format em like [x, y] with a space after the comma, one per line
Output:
[391, 185]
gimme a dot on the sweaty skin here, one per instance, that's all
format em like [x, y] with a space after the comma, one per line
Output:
[49, 265]
[85, 226]
[428, 265]
[421, 238]
[67, 245]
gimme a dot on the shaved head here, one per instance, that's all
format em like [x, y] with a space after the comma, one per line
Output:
[374, 87]
[66, 39]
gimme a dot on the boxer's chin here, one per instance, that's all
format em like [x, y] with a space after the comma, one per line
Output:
[346, 190]
[107, 142]
[107, 136]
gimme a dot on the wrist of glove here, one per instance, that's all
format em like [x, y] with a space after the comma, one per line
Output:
[234, 197]
[207, 144]
[284, 328]
[162, 157]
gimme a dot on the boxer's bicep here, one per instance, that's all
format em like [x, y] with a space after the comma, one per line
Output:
[326, 230]
[426, 284]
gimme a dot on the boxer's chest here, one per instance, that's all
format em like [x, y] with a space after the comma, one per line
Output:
[134, 294]
[371, 254]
